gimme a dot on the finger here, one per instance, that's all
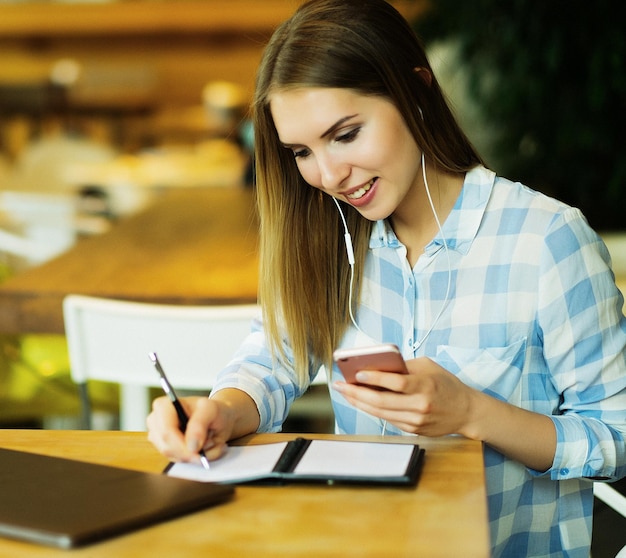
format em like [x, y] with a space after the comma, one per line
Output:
[217, 450]
[386, 405]
[169, 444]
[406, 420]
[391, 381]
[163, 430]
[163, 414]
[371, 395]
[208, 423]
[196, 433]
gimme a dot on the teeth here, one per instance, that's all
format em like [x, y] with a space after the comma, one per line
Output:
[361, 191]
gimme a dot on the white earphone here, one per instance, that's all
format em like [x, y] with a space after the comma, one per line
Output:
[346, 236]
[350, 254]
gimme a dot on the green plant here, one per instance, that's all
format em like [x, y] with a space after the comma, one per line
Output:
[550, 79]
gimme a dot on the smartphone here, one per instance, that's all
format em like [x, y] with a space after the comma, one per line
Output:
[385, 357]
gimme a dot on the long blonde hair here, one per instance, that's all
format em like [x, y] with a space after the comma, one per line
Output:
[368, 47]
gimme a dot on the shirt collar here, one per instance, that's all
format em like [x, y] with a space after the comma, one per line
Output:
[461, 226]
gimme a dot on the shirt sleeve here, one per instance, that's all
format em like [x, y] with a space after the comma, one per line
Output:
[584, 334]
[272, 385]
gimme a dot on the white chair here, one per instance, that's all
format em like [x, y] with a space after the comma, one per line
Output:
[610, 497]
[110, 340]
[615, 500]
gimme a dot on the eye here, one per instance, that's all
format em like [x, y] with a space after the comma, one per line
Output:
[348, 136]
[301, 153]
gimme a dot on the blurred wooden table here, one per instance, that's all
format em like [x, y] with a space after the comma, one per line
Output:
[193, 246]
[445, 515]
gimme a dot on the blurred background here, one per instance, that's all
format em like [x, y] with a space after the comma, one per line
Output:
[541, 89]
[104, 105]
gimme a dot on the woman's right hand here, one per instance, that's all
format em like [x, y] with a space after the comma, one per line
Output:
[209, 428]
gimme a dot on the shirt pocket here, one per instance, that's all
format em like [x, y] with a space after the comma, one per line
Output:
[493, 370]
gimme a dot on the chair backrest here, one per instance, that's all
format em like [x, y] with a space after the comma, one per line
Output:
[610, 497]
[615, 500]
[110, 340]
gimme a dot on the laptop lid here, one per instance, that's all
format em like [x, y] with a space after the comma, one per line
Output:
[66, 503]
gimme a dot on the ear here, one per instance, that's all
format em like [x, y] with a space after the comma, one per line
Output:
[425, 74]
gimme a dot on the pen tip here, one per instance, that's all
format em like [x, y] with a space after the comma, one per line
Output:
[152, 356]
[205, 461]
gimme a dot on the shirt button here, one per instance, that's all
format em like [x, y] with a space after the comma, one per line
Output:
[565, 471]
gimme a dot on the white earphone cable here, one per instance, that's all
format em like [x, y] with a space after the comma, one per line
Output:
[447, 250]
[350, 254]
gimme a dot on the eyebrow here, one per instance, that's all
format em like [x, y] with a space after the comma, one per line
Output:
[336, 125]
[330, 130]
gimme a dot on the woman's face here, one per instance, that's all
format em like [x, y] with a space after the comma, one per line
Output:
[354, 147]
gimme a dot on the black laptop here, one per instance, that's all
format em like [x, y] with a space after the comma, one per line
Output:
[66, 503]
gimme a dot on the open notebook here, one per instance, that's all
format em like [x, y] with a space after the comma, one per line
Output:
[66, 503]
[306, 460]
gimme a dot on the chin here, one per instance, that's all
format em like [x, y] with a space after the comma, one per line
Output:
[374, 215]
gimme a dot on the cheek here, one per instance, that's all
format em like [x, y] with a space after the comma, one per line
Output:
[309, 171]
[390, 141]
[378, 149]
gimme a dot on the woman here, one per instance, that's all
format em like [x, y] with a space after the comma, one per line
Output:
[501, 299]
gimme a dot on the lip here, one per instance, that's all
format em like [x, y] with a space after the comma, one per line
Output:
[366, 198]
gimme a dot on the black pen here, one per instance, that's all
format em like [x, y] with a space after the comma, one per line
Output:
[182, 416]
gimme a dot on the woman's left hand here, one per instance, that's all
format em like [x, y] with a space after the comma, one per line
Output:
[431, 401]
[428, 400]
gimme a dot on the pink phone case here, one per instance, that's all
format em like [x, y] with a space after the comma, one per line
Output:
[386, 358]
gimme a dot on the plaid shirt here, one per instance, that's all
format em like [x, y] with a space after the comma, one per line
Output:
[532, 316]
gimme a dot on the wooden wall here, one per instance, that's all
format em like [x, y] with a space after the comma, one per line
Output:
[143, 51]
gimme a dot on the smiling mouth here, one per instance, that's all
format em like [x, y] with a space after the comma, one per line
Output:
[361, 191]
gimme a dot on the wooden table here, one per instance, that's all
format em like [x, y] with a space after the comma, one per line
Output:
[446, 515]
[192, 246]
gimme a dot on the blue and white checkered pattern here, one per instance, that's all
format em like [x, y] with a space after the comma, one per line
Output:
[533, 317]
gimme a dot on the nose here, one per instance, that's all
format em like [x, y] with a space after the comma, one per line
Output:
[333, 172]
